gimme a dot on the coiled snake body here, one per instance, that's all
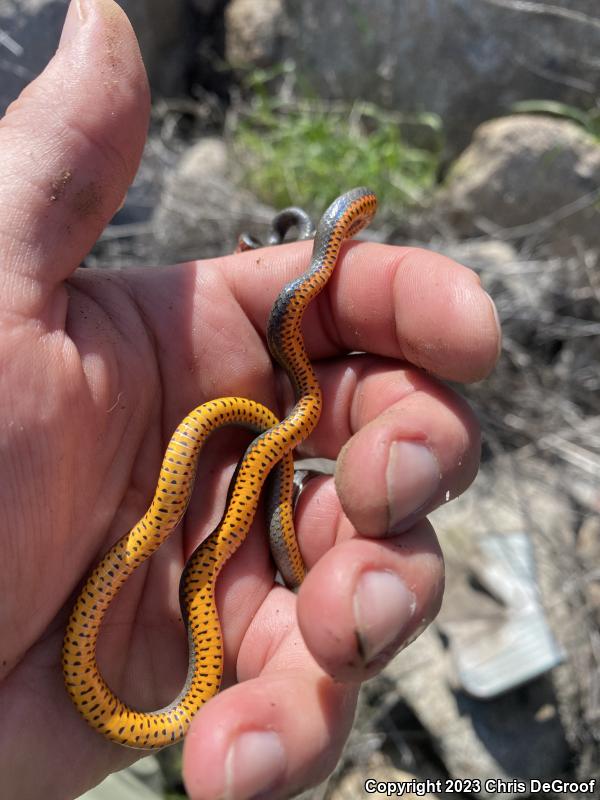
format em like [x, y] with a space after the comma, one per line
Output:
[271, 449]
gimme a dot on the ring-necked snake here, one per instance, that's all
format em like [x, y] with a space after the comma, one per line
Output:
[270, 450]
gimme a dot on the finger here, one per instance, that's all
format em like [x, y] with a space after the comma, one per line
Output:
[204, 314]
[405, 443]
[71, 145]
[364, 600]
[272, 735]
[400, 302]
[388, 413]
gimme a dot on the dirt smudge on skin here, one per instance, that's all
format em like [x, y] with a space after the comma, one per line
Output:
[112, 38]
[88, 200]
[59, 184]
[112, 45]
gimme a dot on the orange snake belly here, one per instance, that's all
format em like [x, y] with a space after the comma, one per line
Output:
[272, 448]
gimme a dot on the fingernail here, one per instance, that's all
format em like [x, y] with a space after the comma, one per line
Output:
[255, 763]
[383, 608]
[413, 479]
[74, 19]
[498, 323]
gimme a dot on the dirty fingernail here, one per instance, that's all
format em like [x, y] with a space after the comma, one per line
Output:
[383, 608]
[413, 479]
[255, 763]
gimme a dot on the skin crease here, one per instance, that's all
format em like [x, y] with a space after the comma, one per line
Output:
[97, 369]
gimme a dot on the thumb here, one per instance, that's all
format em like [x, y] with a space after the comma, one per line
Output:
[71, 144]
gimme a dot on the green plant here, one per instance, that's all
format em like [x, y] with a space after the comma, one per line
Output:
[306, 152]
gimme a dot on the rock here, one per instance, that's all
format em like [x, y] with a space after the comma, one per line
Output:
[467, 61]
[253, 32]
[30, 30]
[527, 176]
[202, 211]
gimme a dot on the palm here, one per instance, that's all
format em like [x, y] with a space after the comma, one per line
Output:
[110, 401]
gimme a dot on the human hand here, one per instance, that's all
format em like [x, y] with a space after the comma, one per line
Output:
[99, 367]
